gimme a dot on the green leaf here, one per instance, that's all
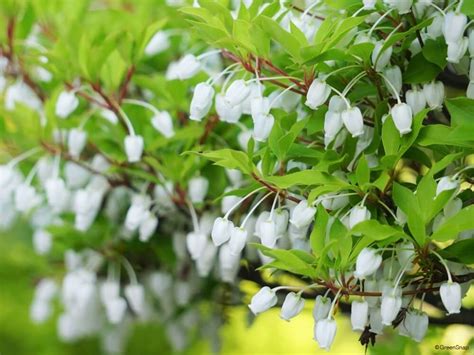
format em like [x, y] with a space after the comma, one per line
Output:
[376, 231]
[229, 158]
[460, 251]
[362, 171]
[462, 112]
[288, 41]
[435, 51]
[462, 221]
[390, 137]
[307, 178]
[420, 70]
[408, 203]
[317, 238]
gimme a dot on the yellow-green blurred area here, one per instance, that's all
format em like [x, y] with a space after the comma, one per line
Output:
[20, 268]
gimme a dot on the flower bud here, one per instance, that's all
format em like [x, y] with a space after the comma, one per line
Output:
[187, 67]
[197, 189]
[368, 261]
[381, 59]
[163, 123]
[226, 111]
[134, 148]
[322, 305]
[353, 121]
[359, 314]
[402, 117]
[391, 304]
[157, 44]
[416, 323]
[317, 94]
[115, 309]
[456, 50]
[358, 214]
[292, 306]
[201, 102]
[262, 126]
[135, 294]
[454, 26]
[303, 214]
[221, 231]
[237, 92]
[195, 242]
[67, 102]
[451, 296]
[416, 100]
[263, 300]
[325, 332]
[238, 239]
[446, 183]
[76, 142]
[147, 227]
[434, 94]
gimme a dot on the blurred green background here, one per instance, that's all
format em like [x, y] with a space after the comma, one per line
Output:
[20, 268]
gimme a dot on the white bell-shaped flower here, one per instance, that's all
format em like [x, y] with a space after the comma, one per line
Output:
[405, 252]
[221, 231]
[75, 175]
[187, 67]
[157, 44]
[135, 294]
[134, 148]
[390, 306]
[434, 94]
[454, 26]
[263, 300]
[332, 124]
[201, 102]
[76, 142]
[195, 243]
[402, 6]
[369, 4]
[402, 117]
[325, 332]
[381, 59]
[262, 127]
[375, 321]
[227, 112]
[26, 197]
[228, 264]
[359, 314]
[321, 308]
[109, 289]
[40, 311]
[67, 102]
[163, 123]
[42, 241]
[456, 50]
[147, 227]
[368, 261]
[416, 100]
[267, 233]
[57, 194]
[446, 183]
[281, 221]
[303, 214]
[416, 323]
[237, 92]
[452, 207]
[358, 214]
[197, 189]
[292, 306]
[238, 239]
[450, 293]
[206, 260]
[394, 76]
[115, 309]
[137, 211]
[317, 94]
[259, 106]
[353, 121]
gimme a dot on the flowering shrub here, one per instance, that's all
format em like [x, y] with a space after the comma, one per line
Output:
[163, 152]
